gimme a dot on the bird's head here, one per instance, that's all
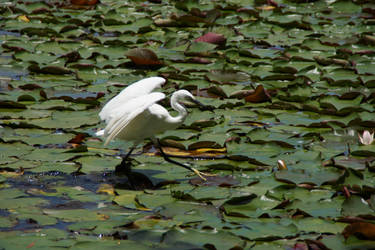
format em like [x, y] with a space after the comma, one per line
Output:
[183, 95]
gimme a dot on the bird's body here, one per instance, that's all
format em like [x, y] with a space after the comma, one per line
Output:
[152, 121]
[134, 115]
[135, 90]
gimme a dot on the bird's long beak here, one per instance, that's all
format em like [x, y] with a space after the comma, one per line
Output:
[202, 106]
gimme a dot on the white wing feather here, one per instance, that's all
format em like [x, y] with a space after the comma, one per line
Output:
[124, 114]
[140, 88]
[100, 132]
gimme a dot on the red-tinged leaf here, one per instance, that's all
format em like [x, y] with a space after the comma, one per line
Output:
[30, 86]
[213, 38]
[30, 245]
[315, 244]
[362, 230]
[78, 139]
[351, 219]
[84, 2]
[99, 95]
[273, 3]
[300, 246]
[259, 95]
[40, 11]
[43, 94]
[221, 181]
[73, 56]
[346, 192]
[14, 48]
[345, 51]
[80, 97]
[365, 52]
[143, 57]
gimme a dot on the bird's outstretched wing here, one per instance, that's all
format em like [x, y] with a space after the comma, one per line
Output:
[140, 88]
[124, 114]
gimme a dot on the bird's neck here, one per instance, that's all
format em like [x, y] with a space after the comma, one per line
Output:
[182, 113]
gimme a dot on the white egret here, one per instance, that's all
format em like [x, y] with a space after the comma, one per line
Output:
[134, 115]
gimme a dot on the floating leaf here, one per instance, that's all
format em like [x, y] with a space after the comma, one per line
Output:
[290, 169]
[265, 231]
[259, 95]
[363, 230]
[84, 2]
[143, 57]
[211, 37]
[50, 69]
[317, 177]
[227, 77]
[355, 206]
[217, 240]
[225, 181]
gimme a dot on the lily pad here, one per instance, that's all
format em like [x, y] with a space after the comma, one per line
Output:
[317, 177]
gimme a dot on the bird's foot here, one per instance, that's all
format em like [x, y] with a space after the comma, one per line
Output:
[201, 174]
[124, 166]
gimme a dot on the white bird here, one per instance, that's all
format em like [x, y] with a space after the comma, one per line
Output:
[134, 115]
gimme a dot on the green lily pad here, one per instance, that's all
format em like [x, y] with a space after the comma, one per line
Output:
[252, 208]
[329, 208]
[219, 240]
[61, 61]
[67, 119]
[99, 164]
[355, 206]
[11, 151]
[72, 215]
[317, 225]
[265, 231]
[317, 177]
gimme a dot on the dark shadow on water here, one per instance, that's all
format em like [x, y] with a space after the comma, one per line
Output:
[29, 224]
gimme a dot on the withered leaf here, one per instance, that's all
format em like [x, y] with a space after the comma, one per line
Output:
[211, 37]
[143, 57]
[363, 230]
[260, 95]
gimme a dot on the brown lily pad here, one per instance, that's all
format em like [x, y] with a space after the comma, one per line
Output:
[260, 95]
[362, 230]
[143, 57]
[213, 38]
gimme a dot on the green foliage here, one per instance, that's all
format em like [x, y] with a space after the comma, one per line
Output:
[292, 171]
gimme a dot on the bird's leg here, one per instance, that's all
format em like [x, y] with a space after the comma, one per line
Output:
[125, 165]
[125, 158]
[196, 171]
